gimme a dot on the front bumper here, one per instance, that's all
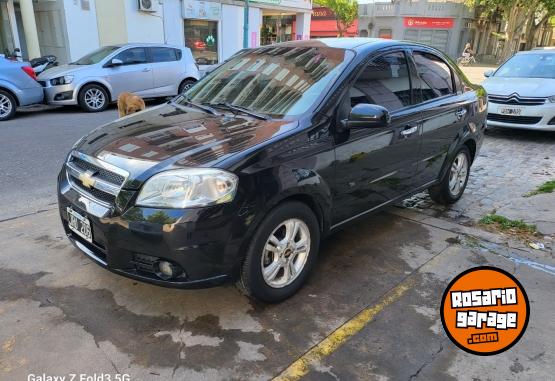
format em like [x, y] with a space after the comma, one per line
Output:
[541, 117]
[204, 242]
[63, 95]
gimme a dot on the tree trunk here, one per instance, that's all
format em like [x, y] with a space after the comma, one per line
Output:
[532, 29]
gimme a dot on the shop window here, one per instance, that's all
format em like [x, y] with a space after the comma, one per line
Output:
[201, 36]
[276, 29]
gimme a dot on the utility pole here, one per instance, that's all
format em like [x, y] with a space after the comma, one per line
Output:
[246, 26]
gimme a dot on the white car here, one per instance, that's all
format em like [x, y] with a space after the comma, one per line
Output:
[95, 80]
[521, 92]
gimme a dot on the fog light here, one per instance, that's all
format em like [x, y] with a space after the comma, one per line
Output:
[167, 270]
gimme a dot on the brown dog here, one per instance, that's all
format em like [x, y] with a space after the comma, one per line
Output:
[129, 103]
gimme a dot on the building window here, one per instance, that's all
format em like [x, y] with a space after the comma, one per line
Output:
[201, 36]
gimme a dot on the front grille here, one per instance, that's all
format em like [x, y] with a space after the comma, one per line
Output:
[516, 100]
[96, 193]
[42, 83]
[100, 172]
[102, 184]
[514, 119]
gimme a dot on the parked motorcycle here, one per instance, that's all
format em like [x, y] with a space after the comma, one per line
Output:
[42, 63]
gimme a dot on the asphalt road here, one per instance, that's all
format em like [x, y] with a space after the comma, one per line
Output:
[33, 147]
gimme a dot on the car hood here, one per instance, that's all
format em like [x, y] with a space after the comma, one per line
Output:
[525, 87]
[171, 136]
[58, 71]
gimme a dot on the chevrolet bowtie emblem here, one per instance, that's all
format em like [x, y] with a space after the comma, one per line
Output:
[87, 179]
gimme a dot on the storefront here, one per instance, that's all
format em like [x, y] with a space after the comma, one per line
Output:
[201, 28]
[213, 30]
[324, 24]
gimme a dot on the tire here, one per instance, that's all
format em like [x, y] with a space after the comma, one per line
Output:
[8, 106]
[93, 98]
[453, 184]
[186, 85]
[277, 285]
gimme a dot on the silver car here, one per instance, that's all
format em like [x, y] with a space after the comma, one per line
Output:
[18, 87]
[147, 70]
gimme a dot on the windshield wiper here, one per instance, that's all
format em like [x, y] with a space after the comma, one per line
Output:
[187, 102]
[232, 107]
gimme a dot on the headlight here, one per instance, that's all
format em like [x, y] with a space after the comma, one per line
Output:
[551, 99]
[65, 80]
[187, 188]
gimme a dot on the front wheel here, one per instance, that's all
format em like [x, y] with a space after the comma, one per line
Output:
[186, 85]
[453, 184]
[281, 254]
[93, 98]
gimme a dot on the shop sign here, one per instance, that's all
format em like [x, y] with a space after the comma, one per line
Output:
[428, 22]
[322, 13]
[201, 10]
[302, 4]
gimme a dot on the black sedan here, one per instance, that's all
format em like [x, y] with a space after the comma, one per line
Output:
[240, 177]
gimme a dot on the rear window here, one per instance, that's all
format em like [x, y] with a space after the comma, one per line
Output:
[164, 54]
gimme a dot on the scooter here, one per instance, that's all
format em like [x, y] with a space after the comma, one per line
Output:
[42, 63]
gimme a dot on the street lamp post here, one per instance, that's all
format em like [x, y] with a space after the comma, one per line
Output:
[246, 26]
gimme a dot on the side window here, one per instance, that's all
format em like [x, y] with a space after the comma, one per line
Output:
[385, 82]
[163, 54]
[132, 56]
[435, 74]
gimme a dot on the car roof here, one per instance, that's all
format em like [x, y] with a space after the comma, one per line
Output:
[149, 44]
[537, 51]
[354, 43]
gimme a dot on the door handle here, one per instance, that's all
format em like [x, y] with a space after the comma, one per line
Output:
[409, 130]
[147, 69]
[460, 113]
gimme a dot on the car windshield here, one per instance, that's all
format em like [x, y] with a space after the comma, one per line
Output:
[277, 81]
[96, 56]
[531, 65]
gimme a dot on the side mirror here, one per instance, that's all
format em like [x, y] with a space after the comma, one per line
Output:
[489, 73]
[115, 62]
[366, 115]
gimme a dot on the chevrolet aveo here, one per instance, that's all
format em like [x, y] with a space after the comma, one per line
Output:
[241, 176]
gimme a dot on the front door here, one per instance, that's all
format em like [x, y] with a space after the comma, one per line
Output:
[134, 75]
[376, 165]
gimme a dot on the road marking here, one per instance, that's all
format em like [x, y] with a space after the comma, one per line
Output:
[341, 335]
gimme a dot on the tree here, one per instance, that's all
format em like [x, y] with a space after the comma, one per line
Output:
[519, 16]
[346, 12]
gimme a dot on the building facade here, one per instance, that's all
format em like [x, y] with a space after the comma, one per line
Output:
[213, 30]
[444, 24]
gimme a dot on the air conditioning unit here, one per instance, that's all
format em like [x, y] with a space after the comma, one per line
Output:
[148, 5]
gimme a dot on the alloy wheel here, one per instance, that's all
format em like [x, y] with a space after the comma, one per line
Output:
[94, 98]
[285, 253]
[458, 174]
[6, 106]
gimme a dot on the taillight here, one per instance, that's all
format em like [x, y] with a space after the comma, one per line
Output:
[29, 70]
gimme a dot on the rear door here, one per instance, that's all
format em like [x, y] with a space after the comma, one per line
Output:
[445, 110]
[167, 69]
[376, 165]
[134, 75]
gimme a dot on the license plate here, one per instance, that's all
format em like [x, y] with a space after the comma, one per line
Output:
[510, 111]
[79, 224]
